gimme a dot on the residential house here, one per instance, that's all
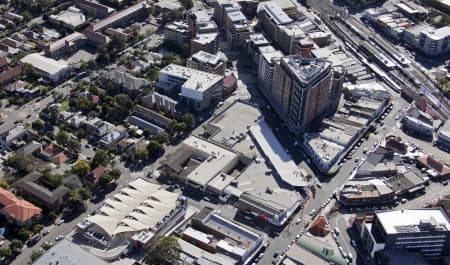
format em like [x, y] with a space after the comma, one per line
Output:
[113, 137]
[93, 177]
[103, 128]
[54, 153]
[18, 211]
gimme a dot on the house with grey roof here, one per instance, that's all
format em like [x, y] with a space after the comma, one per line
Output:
[124, 81]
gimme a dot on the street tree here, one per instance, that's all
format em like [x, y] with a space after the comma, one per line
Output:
[154, 148]
[62, 137]
[81, 168]
[38, 125]
[163, 251]
[101, 158]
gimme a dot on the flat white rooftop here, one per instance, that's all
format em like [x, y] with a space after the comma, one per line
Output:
[393, 220]
[195, 79]
[216, 159]
[272, 149]
[44, 64]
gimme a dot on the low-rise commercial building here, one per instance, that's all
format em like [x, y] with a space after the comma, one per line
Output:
[363, 193]
[51, 69]
[66, 252]
[139, 207]
[426, 231]
[231, 239]
[196, 89]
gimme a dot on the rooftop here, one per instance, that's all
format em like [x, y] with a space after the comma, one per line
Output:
[45, 64]
[139, 206]
[194, 79]
[72, 16]
[416, 220]
[63, 41]
[105, 23]
[306, 69]
[274, 151]
[274, 11]
[214, 159]
[68, 253]
[206, 58]
[18, 209]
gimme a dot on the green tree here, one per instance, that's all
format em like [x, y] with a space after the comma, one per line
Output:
[5, 252]
[162, 251]
[81, 168]
[162, 137]
[37, 228]
[38, 125]
[20, 163]
[154, 148]
[105, 179]
[75, 201]
[141, 154]
[103, 55]
[187, 4]
[16, 245]
[85, 194]
[117, 43]
[4, 184]
[62, 137]
[35, 254]
[73, 144]
[54, 180]
[24, 233]
[181, 127]
[27, 16]
[101, 158]
[188, 119]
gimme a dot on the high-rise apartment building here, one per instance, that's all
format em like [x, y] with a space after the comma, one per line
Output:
[303, 91]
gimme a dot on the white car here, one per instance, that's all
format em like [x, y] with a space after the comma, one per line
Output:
[59, 238]
[298, 221]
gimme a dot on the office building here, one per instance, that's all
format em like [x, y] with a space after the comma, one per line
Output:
[426, 231]
[207, 62]
[253, 43]
[237, 29]
[196, 89]
[220, 10]
[179, 34]
[204, 32]
[435, 42]
[301, 92]
[230, 19]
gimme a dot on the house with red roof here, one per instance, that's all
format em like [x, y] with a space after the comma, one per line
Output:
[18, 211]
[93, 177]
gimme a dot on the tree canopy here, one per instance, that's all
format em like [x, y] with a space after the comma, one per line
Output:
[163, 250]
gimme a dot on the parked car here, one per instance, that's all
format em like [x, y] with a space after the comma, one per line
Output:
[59, 238]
